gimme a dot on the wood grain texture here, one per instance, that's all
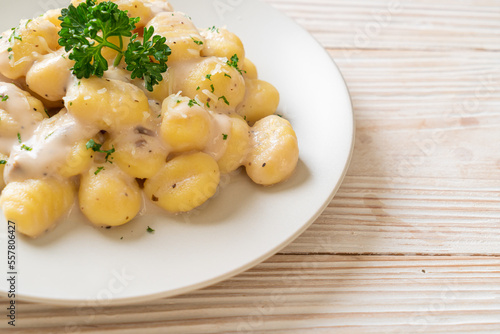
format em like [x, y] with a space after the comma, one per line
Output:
[411, 242]
[309, 294]
[425, 175]
[399, 24]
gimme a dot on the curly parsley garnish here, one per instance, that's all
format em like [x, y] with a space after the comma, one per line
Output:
[138, 58]
[86, 30]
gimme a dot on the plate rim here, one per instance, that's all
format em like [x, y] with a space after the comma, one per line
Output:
[118, 301]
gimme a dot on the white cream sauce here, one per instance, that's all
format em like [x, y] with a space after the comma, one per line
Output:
[60, 64]
[17, 106]
[45, 145]
[220, 129]
[43, 153]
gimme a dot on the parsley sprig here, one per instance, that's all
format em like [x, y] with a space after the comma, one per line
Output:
[138, 57]
[87, 29]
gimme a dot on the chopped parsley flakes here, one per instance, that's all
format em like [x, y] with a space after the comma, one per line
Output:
[223, 98]
[191, 103]
[50, 134]
[91, 144]
[99, 169]
[196, 41]
[233, 62]
[214, 29]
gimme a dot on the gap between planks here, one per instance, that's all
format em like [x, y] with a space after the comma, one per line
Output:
[369, 254]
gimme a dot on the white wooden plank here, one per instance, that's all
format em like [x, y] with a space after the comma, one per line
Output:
[425, 174]
[292, 294]
[399, 24]
[425, 179]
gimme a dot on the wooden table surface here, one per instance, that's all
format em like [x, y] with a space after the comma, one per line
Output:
[411, 242]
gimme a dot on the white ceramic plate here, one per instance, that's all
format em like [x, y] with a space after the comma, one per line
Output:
[239, 228]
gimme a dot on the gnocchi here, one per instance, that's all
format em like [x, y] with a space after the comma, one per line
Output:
[213, 82]
[34, 205]
[184, 183]
[137, 126]
[110, 104]
[3, 161]
[109, 198]
[274, 152]
[184, 127]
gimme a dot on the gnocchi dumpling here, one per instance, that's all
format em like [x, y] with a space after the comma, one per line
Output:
[21, 46]
[78, 160]
[9, 127]
[250, 69]
[238, 146]
[106, 102]
[49, 76]
[215, 83]
[52, 16]
[144, 9]
[112, 140]
[184, 183]
[160, 91]
[274, 153]
[138, 152]
[182, 36]
[35, 205]
[3, 161]
[109, 197]
[19, 111]
[261, 100]
[185, 124]
[220, 42]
